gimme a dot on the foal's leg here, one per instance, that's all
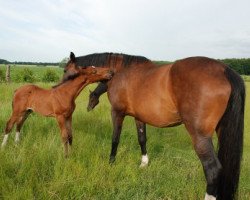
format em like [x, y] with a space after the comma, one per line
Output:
[142, 139]
[62, 122]
[117, 118]
[69, 129]
[9, 125]
[211, 165]
[19, 124]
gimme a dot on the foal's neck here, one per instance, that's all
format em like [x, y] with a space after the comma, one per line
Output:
[73, 87]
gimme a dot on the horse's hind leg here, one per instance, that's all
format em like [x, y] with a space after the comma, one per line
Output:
[142, 139]
[9, 125]
[211, 165]
[20, 123]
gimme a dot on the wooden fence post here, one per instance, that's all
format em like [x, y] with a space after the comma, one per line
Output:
[7, 78]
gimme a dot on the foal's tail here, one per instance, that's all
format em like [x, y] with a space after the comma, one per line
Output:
[231, 128]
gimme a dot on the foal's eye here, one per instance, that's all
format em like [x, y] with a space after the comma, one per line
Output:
[64, 70]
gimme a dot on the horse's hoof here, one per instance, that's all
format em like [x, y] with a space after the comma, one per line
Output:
[89, 109]
[143, 165]
[111, 160]
[144, 161]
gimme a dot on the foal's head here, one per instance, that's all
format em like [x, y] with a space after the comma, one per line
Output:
[92, 73]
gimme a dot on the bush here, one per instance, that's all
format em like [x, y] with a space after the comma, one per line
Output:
[50, 76]
[28, 76]
[2, 76]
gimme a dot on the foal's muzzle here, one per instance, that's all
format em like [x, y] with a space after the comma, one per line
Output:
[110, 74]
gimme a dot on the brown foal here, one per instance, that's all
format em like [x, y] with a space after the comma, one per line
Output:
[58, 102]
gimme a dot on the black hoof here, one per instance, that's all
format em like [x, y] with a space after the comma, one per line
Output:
[111, 159]
[89, 109]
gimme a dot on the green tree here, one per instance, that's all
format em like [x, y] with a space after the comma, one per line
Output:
[50, 76]
[28, 75]
[63, 62]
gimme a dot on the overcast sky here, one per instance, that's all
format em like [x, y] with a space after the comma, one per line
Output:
[47, 30]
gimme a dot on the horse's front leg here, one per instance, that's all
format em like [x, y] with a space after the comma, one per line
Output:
[142, 139]
[62, 122]
[69, 129]
[117, 118]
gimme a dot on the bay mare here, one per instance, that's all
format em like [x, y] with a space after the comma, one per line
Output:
[202, 93]
[58, 102]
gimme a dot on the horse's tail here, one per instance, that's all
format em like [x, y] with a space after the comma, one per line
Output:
[231, 128]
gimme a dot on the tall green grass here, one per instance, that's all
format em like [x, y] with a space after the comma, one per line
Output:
[36, 168]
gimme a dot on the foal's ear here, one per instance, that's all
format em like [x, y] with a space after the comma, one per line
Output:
[72, 57]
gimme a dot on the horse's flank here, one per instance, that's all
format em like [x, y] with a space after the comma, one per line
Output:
[141, 79]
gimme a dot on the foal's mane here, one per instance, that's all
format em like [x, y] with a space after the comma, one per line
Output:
[71, 77]
[101, 59]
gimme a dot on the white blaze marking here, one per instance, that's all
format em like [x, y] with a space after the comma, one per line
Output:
[5, 140]
[209, 197]
[144, 160]
[17, 138]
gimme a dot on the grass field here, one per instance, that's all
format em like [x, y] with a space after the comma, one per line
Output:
[38, 71]
[36, 168]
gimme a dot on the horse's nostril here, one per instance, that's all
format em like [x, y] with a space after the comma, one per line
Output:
[111, 72]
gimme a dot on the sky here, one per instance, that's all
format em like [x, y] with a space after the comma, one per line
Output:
[48, 30]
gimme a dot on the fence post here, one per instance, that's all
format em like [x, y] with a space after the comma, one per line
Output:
[7, 78]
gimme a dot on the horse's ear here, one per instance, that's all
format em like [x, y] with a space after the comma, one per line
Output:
[72, 57]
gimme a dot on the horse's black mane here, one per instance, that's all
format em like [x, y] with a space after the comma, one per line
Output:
[101, 59]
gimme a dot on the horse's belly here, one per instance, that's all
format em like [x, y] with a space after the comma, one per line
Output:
[161, 117]
[41, 106]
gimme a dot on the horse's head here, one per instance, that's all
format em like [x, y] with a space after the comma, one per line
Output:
[93, 101]
[71, 70]
[92, 73]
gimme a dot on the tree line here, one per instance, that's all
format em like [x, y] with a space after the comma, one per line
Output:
[2, 61]
[240, 65]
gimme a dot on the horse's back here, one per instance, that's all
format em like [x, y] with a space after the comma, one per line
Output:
[30, 97]
[201, 91]
[25, 90]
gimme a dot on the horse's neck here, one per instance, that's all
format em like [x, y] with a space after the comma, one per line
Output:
[73, 87]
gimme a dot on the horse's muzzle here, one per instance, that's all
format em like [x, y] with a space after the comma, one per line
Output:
[110, 74]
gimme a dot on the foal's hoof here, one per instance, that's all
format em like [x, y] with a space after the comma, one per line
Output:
[144, 161]
[111, 160]
[143, 165]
